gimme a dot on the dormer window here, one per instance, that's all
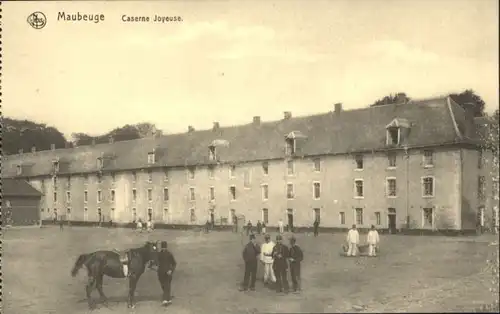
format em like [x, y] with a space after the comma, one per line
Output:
[212, 153]
[19, 170]
[100, 163]
[151, 158]
[55, 166]
[396, 130]
[290, 146]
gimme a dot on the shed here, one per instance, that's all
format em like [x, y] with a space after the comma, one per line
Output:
[20, 203]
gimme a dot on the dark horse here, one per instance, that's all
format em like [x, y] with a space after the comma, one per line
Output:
[109, 263]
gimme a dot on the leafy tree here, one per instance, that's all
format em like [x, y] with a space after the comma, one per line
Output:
[391, 99]
[468, 96]
[124, 133]
[24, 134]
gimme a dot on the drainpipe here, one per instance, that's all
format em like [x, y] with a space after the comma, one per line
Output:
[407, 157]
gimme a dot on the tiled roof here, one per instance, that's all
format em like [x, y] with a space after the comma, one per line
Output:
[17, 187]
[431, 123]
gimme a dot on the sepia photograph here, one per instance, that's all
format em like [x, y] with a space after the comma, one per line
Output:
[237, 156]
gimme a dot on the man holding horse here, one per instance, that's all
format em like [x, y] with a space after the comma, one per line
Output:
[166, 267]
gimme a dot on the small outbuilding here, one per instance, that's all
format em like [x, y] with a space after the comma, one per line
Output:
[20, 203]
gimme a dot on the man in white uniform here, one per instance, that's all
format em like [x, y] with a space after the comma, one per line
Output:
[267, 258]
[373, 240]
[352, 241]
[280, 226]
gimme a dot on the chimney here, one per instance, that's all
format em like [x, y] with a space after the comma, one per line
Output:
[256, 120]
[93, 141]
[190, 129]
[338, 107]
[401, 98]
[33, 149]
[52, 146]
[21, 151]
[111, 139]
[216, 126]
[287, 115]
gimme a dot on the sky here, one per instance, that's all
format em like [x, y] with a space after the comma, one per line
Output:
[228, 61]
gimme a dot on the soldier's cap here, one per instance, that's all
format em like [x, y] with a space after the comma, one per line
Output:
[267, 236]
[293, 239]
[278, 237]
[252, 236]
[164, 244]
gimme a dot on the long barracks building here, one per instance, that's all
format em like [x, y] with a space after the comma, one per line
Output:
[415, 165]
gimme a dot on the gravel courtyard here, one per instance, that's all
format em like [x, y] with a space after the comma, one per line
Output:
[412, 273]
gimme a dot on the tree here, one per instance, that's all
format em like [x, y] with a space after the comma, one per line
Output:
[468, 96]
[391, 99]
[24, 134]
[124, 133]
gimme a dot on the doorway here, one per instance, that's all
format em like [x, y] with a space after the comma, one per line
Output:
[391, 218]
[212, 217]
[290, 219]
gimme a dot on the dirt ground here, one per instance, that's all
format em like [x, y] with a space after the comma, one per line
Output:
[411, 274]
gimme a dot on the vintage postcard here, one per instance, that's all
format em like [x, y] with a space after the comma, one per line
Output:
[234, 156]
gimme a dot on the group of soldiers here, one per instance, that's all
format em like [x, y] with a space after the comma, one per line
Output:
[276, 258]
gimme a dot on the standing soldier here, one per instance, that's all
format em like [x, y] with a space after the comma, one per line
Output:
[263, 227]
[249, 227]
[166, 267]
[280, 255]
[352, 241]
[259, 227]
[267, 259]
[316, 227]
[373, 240]
[250, 254]
[295, 257]
[280, 226]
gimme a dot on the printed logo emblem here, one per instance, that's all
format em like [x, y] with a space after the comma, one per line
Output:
[37, 20]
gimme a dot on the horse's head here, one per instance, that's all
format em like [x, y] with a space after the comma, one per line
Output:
[151, 247]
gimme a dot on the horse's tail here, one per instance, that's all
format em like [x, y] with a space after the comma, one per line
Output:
[80, 261]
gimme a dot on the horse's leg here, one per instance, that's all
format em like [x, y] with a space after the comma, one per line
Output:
[88, 289]
[132, 284]
[99, 280]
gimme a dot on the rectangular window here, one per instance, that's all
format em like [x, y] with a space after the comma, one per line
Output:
[289, 191]
[54, 182]
[317, 214]
[428, 158]
[391, 187]
[68, 197]
[317, 164]
[232, 192]
[165, 174]
[85, 196]
[165, 195]
[232, 171]
[290, 146]
[69, 182]
[99, 178]
[112, 195]
[265, 168]
[19, 170]
[192, 215]
[192, 195]
[56, 166]
[99, 196]
[391, 160]
[481, 182]
[191, 173]
[134, 176]
[150, 176]
[428, 186]
[134, 195]
[342, 218]
[151, 158]
[378, 220]
[393, 136]
[359, 162]
[212, 193]
[113, 177]
[480, 160]
[55, 197]
[428, 218]
[358, 188]
[316, 190]
[359, 216]
[265, 215]
[211, 172]
[150, 195]
[246, 179]
[290, 167]
[265, 192]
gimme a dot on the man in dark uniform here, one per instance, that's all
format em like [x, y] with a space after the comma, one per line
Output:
[251, 253]
[316, 227]
[249, 227]
[280, 266]
[166, 267]
[259, 227]
[295, 257]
